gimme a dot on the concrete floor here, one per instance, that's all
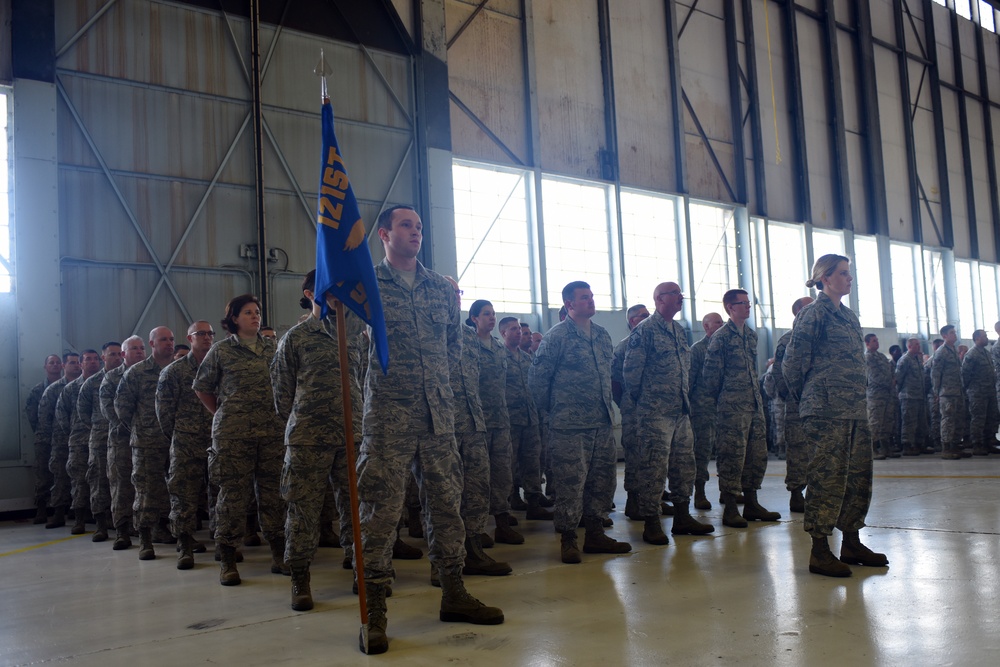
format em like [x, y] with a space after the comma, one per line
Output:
[737, 597]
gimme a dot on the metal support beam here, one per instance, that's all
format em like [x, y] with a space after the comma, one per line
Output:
[908, 108]
[798, 132]
[947, 238]
[878, 209]
[756, 133]
[84, 28]
[610, 162]
[466, 23]
[963, 128]
[735, 101]
[991, 160]
[536, 232]
[464, 108]
[838, 136]
[674, 73]
[708, 146]
[257, 117]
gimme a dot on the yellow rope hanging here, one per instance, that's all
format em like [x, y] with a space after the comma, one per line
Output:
[770, 71]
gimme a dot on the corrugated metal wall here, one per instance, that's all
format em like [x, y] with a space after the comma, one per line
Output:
[159, 92]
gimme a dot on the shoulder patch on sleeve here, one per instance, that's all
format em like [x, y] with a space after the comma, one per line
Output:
[634, 340]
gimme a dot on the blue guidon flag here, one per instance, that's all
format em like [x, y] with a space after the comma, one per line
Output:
[343, 261]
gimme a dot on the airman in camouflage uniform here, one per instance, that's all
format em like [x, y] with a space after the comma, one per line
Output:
[730, 379]
[305, 374]
[53, 372]
[60, 493]
[933, 411]
[43, 447]
[824, 367]
[703, 415]
[88, 410]
[946, 379]
[234, 382]
[525, 439]
[798, 450]
[493, 395]
[912, 401]
[409, 425]
[119, 449]
[571, 378]
[626, 406]
[879, 397]
[656, 370]
[79, 440]
[135, 403]
[187, 425]
[979, 381]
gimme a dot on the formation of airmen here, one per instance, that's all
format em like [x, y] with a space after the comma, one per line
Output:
[250, 431]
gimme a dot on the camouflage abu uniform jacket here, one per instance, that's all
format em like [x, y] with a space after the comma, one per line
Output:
[66, 417]
[240, 378]
[520, 404]
[910, 377]
[178, 409]
[89, 419]
[700, 404]
[468, 404]
[729, 376]
[878, 368]
[493, 382]
[31, 405]
[305, 374]
[570, 376]
[946, 373]
[824, 363]
[656, 369]
[978, 374]
[425, 349]
[135, 403]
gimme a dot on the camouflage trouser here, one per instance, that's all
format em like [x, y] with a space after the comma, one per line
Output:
[43, 476]
[61, 494]
[629, 446]
[983, 418]
[840, 475]
[703, 428]
[186, 480]
[952, 419]
[383, 466]
[149, 477]
[742, 458]
[76, 469]
[913, 422]
[798, 452]
[584, 462]
[120, 477]
[97, 475]
[934, 411]
[880, 418]
[239, 466]
[476, 491]
[305, 479]
[666, 450]
[526, 447]
[778, 419]
[501, 480]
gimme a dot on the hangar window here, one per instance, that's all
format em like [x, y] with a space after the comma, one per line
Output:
[492, 226]
[787, 250]
[6, 266]
[578, 241]
[988, 280]
[867, 292]
[649, 244]
[905, 288]
[713, 256]
[937, 304]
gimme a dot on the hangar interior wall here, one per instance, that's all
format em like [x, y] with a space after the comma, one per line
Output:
[872, 118]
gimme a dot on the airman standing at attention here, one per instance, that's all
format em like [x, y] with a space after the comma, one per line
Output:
[635, 314]
[879, 397]
[979, 380]
[702, 412]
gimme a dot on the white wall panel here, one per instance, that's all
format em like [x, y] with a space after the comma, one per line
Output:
[486, 70]
[642, 91]
[816, 103]
[981, 183]
[570, 91]
[956, 172]
[893, 142]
